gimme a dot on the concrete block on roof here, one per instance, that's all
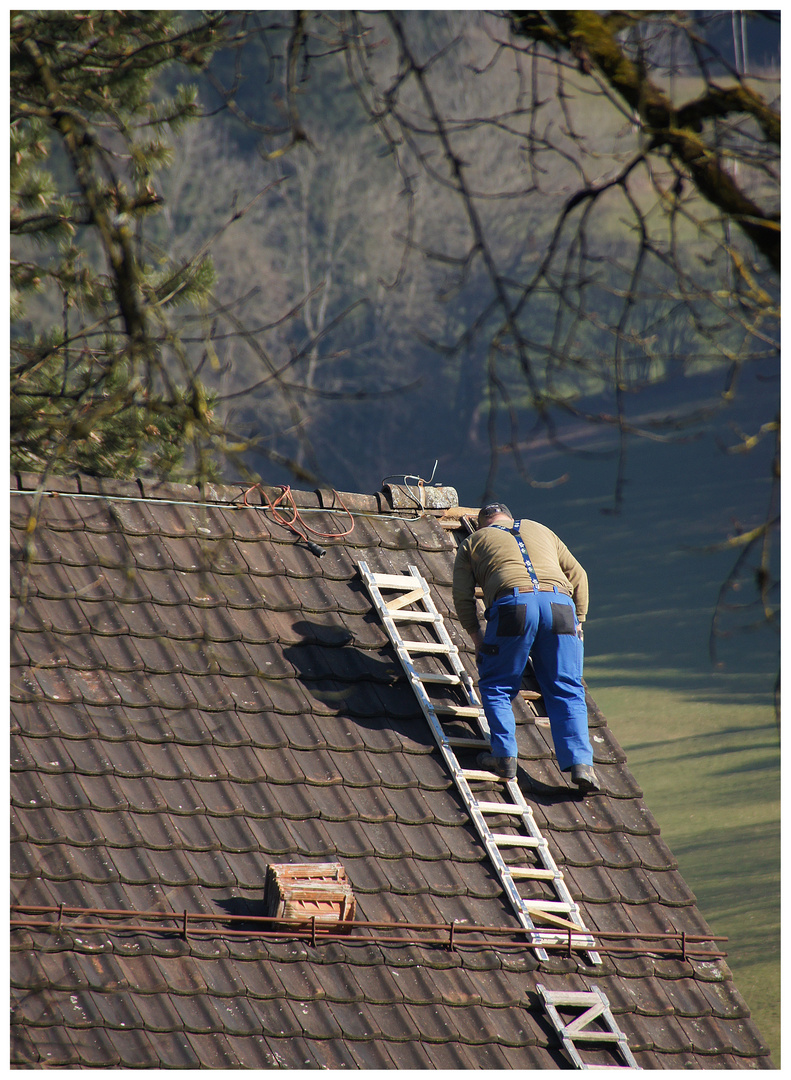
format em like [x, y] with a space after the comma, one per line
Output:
[420, 497]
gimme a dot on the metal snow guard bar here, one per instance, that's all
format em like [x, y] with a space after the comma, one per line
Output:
[450, 935]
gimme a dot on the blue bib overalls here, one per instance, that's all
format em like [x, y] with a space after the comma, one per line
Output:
[542, 625]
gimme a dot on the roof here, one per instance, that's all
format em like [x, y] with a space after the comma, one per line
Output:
[197, 696]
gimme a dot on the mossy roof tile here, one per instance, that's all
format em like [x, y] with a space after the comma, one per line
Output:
[34, 614]
[634, 885]
[615, 850]
[135, 1049]
[212, 869]
[213, 1050]
[672, 888]
[118, 653]
[68, 615]
[592, 885]
[250, 694]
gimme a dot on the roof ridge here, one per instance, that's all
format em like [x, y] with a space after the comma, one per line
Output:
[392, 500]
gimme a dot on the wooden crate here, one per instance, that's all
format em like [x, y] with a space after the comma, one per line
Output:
[308, 891]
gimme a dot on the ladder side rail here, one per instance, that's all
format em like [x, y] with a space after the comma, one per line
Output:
[521, 906]
[454, 658]
[567, 1046]
[422, 591]
[401, 648]
[623, 1042]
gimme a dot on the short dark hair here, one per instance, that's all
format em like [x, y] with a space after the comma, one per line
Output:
[491, 510]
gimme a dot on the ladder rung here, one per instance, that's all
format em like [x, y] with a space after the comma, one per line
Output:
[531, 695]
[427, 647]
[593, 1036]
[504, 840]
[497, 807]
[438, 678]
[614, 1068]
[472, 744]
[533, 873]
[572, 997]
[395, 581]
[563, 924]
[578, 941]
[482, 774]
[548, 905]
[458, 710]
[414, 616]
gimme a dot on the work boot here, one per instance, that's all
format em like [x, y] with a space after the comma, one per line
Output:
[585, 779]
[501, 766]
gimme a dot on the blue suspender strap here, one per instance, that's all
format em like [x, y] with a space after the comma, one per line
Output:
[523, 549]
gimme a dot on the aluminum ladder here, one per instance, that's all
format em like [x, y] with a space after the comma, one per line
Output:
[411, 602]
[595, 1007]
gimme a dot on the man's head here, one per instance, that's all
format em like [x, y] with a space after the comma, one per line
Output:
[491, 512]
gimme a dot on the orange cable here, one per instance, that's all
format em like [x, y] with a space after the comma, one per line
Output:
[286, 492]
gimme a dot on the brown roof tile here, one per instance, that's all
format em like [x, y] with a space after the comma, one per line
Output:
[33, 615]
[117, 653]
[134, 1048]
[592, 885]
[263, 560]
[34, 718]
[70, 616]
[162, 621]
[634, 885]
[212, 869]
[213, 1051]
[60, 515]
[615, 850]
[371, 1054]
[673, 890]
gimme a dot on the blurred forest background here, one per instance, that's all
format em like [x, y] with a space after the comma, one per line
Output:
[531, 255]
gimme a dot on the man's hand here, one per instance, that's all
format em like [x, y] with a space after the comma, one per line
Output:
[477, 640]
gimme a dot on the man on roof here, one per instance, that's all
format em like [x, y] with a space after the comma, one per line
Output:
[536, 596]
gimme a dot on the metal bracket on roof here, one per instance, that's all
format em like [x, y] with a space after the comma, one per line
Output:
[411, 602]
[595, 1025]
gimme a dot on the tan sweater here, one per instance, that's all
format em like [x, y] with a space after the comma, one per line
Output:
[491, 558]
